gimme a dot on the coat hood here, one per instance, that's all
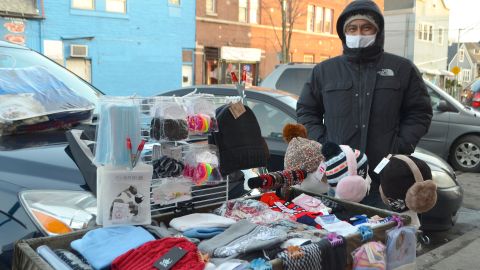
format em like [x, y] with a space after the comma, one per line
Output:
[362, 7]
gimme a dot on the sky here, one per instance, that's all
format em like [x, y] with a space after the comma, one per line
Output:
[464, 14]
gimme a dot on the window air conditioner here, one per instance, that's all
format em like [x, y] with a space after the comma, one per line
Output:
[78, 50]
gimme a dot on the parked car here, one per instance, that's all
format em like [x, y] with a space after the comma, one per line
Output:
[42, 190]
[471, 95]
[454, 133]
[275, 108]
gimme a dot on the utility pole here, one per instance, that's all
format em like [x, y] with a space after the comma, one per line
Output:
[284, 32]
[458, 56]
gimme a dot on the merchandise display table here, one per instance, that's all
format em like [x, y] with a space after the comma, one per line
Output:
[26, 257]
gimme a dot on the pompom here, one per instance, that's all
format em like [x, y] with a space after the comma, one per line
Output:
[291, 131]
[422, 196]
[330, 150]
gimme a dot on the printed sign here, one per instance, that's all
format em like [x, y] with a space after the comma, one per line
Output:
[13, 30]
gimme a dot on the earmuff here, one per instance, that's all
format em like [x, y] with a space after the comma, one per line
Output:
[421, 196]
[353, 187]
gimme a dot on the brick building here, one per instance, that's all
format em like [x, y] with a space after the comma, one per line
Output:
[235, 35]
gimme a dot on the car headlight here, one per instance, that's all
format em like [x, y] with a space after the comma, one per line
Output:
[60, 211]
[442, 179]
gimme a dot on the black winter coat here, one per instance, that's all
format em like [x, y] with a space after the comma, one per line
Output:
[373, 101]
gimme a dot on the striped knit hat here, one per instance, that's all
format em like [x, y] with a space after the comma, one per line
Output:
[336, 162]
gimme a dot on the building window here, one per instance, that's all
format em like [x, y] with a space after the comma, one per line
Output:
[309, 58]
[327, 26]
[248, 11]
[430, 33]
[253, 11]
[119, 6]
[310, 18]
[441, 32]
[318, 19]
[211, 7]
[466, 75]
[174, 2]
[461, 55]
[242, 10]
[83, 4]
[476, 51]
[425, 32]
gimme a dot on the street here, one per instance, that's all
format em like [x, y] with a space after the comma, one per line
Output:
[448, 250]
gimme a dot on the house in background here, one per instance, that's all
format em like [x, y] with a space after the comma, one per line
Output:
[123, 47]
[246, 35]
[468, 60]
[20, 22]
[418, 30]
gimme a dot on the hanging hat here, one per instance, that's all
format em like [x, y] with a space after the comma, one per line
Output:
[405, 183]
[302, 153]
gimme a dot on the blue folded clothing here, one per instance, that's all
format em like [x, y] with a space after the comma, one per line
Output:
[203, 233]
[101, 246]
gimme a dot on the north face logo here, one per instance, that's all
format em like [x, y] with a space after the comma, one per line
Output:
[386, 72]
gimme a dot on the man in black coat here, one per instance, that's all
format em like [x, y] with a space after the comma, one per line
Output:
[366, 98]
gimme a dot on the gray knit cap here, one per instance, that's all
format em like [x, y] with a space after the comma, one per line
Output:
[366, 17]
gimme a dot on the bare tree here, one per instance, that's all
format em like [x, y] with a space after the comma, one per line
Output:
[290, 10]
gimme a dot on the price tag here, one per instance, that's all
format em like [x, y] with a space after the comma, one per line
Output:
[168, 260]
[320, 172]
[237, 109]
[381, 165]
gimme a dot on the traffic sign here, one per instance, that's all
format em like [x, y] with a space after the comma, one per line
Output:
[455, 70]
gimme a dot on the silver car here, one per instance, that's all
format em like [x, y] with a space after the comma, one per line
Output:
[454, 133]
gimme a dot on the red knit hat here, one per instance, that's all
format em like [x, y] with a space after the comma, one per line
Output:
[143, 257]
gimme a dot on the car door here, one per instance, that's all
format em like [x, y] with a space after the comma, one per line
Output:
[272, 119]
[436, 139]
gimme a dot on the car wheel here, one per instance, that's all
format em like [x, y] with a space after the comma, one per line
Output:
[465, 154]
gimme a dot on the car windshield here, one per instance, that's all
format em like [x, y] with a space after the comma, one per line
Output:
[293, 79]
[13, 58]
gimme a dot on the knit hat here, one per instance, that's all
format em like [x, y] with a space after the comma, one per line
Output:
[405, 184]
[366, 17]
[241, 238]
[101, 246]
[200, 220]
[344, 173]
[336, 162]
[302, 153]
[145, 256]
[240, 142]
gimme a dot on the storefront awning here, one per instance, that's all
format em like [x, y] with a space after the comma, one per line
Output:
[240, 54]
[447, 73]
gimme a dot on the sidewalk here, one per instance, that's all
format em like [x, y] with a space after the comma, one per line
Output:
[463, 253]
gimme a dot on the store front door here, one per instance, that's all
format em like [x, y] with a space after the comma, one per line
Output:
[238, 67]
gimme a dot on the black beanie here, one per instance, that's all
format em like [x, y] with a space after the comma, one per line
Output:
[239, 141]
[396, 178]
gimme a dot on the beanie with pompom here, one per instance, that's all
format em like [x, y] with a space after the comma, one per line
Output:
[302, 153]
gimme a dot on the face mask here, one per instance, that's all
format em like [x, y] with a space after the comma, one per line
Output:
[359, 41]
